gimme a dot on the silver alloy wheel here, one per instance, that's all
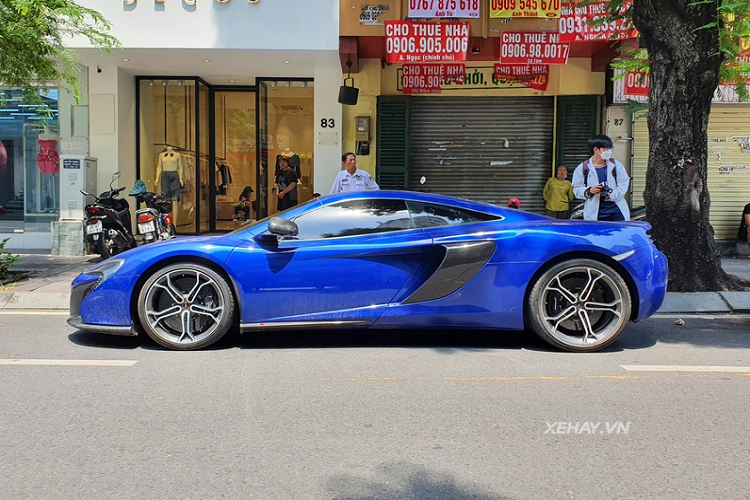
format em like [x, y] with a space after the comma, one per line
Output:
[185, 306]
[580, 305]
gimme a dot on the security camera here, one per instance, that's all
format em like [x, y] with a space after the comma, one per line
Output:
[98, 69]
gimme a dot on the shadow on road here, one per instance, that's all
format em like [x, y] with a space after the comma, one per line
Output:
[445, 342]
[397, 481]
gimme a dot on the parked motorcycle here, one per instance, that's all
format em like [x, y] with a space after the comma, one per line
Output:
[637, 213]
[108, 227]
[155, 220]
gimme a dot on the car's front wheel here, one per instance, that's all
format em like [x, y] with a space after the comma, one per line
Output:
[579, 305]
[186, 306]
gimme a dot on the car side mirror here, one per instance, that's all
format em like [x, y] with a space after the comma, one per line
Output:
[282, 227]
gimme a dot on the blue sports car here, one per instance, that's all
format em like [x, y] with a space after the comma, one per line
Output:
[382, 259]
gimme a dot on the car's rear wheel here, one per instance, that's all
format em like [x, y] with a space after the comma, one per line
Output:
[579, 305]
[186, 306]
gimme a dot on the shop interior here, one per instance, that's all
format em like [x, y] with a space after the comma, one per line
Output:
[29, 161]
[198, 146]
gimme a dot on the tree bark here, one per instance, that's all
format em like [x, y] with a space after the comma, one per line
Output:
[684, 62]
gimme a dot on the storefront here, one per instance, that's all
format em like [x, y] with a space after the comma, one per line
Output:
[29, 167]
[487, 141]
[230, 86]
[482, 135]
[728, 157]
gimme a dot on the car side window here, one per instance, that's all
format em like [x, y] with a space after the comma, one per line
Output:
[354, 217]
[427, 215]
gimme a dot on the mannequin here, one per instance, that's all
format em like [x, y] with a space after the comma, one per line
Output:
[48, 161]
[170, 173]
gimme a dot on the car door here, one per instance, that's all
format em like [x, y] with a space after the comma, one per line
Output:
[347, 262]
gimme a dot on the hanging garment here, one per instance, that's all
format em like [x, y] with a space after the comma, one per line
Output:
[48, 159]
[3, 156]
[170, 185]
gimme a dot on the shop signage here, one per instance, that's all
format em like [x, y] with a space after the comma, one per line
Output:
[71, 163]
[578, 23]
[525, 8]
[474, 78]
[415, 41]
[532, 47]
[370, 14]
[429, 78]
[444, 8]
[636, 83]
[535, 76]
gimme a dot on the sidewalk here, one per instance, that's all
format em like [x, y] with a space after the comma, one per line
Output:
[48, 287]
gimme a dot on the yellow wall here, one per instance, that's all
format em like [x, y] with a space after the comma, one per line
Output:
[368, 82]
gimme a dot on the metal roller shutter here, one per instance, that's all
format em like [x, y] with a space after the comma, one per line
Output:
[728, 165]
[392, 165]
[640, 159]
[487, 149]
[576, 124]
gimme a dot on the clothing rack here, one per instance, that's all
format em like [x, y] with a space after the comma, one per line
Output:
[176, 148]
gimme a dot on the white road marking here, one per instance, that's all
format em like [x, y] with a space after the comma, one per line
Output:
[34, 312]
[686, 368]
[68, 362]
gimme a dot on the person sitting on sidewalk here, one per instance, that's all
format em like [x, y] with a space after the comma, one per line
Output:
[742, 234]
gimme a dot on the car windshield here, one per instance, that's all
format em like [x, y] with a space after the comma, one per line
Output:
[265, 219]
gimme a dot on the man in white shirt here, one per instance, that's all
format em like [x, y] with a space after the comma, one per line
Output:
[352, 178]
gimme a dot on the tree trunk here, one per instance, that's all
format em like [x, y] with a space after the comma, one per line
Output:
[684, 62]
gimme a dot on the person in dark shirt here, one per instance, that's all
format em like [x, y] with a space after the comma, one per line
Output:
[286, 185]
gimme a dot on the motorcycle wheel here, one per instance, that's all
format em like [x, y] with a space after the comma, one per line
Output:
[106, 245]
[172, 231]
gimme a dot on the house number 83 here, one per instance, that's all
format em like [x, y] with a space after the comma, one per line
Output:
[327, 123]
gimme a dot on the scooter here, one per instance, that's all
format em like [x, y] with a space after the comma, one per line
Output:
[155, 220]
[108, 227]
[638, 213]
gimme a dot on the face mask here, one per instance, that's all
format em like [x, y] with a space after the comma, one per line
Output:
[606, 155]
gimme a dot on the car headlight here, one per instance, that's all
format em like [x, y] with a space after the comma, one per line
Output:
[106, 268]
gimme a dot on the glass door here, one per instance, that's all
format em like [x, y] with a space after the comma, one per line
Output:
[235, 169]
[285, 137]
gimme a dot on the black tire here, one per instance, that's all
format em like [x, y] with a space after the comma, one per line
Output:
[172, 231]
[208, 309]
[579, 305]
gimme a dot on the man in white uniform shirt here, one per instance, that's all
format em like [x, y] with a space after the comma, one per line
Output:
[352, 178]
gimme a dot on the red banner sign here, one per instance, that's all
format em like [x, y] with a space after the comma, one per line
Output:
[575, 24]
[636, 83]
[412, 41]
[535, 76]
[532, 47]
[428, 78]
[444, 8]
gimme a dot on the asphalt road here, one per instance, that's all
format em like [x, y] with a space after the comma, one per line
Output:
[384, 415]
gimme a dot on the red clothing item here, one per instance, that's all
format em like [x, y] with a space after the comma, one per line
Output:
[3, 156]
[48, 159]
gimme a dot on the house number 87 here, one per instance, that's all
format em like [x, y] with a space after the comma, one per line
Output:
[327, 123]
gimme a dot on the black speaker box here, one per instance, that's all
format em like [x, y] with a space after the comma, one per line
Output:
[348, 95]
